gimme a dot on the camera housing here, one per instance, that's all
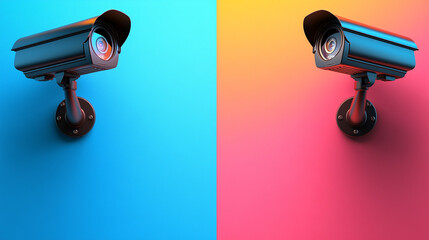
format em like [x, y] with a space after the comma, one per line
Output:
[71, 48]
[364, 52]
[68, 52]
[349, 47]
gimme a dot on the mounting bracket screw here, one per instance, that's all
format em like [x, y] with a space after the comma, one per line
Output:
[340, 117]
[75, 131]
[58, 118]
[355, 131]
[90, 117]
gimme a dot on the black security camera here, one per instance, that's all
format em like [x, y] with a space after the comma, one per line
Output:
[364, 52]
[67, 52]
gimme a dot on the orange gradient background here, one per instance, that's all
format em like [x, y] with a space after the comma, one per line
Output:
[285, 170]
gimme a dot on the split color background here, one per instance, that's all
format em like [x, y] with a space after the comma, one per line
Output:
[148, 168]
[285, 170]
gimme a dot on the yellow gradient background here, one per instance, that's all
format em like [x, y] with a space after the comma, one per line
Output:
[285, 170]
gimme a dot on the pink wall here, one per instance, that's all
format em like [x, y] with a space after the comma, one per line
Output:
[285, 170]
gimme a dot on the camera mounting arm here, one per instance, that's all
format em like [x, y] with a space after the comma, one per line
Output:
[357, 116]
[75, 116]
[67, 81]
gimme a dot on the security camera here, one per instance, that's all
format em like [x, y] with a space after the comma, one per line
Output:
[67, 52]
[364, 52]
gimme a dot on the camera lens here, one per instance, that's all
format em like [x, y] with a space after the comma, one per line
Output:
[102, 44]
[330, 44]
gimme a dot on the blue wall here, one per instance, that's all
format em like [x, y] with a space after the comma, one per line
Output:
[147, 170]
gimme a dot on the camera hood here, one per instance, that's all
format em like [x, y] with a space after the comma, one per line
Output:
[118, 20]
[314, 21]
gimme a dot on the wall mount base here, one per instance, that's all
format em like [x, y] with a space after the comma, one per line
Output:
[356, 130]
[76, 130]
